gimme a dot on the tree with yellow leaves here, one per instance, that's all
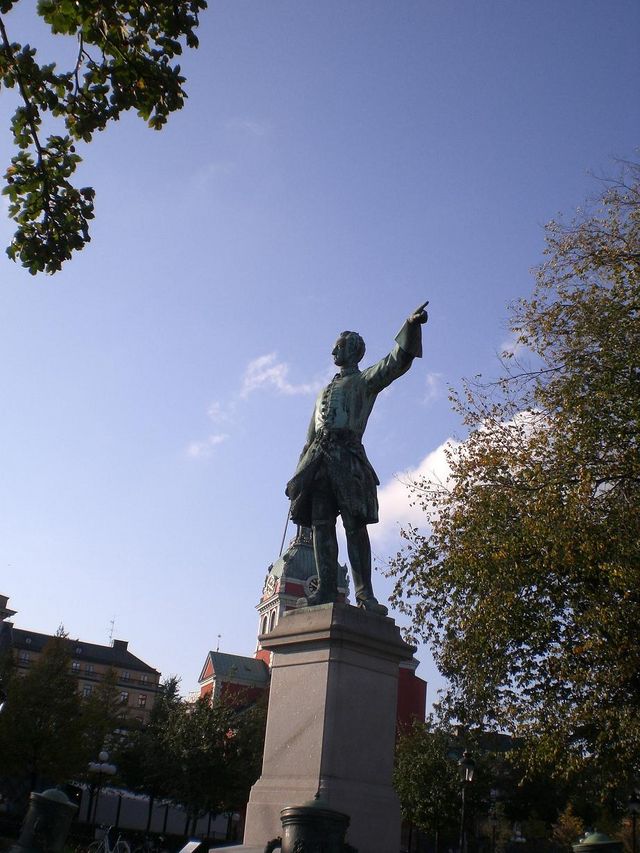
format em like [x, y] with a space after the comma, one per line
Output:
[526, 579]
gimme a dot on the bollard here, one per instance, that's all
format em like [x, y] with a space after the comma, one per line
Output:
[47, 823]
[312, 826]
[597, 842]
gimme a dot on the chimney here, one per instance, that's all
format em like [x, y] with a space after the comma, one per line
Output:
[5, 612]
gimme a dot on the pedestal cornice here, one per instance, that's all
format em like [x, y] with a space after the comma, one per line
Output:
[338, 625]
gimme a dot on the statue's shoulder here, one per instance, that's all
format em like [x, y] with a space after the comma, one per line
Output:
[370, 373]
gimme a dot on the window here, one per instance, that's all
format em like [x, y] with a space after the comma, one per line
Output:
[144, 678]
[78, 650]
[86, 690]
[124, 697]
[89, 669]
[126, 675]
[24, 658]
[75, 666]
[272, 620]
[142, 700]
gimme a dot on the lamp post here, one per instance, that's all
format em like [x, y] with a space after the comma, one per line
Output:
[493, 818]
[466, 767]
[101, 768]
[633, 807]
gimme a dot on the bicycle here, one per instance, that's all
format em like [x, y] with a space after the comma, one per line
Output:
[104, 846]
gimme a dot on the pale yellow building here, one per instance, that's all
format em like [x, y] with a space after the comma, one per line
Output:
[136, 680]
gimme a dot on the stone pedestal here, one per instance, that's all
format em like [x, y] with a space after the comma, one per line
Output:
[331, 723]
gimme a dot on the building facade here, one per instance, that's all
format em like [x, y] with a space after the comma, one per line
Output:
[240, 679]
[137, 681]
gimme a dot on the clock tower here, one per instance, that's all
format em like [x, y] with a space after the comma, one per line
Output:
[292, 576]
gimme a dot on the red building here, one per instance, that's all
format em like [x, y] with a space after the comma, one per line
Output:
[412, 694]
[233, 677]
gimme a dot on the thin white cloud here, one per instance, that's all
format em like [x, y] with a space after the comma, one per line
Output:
[248, 126]
[266, 372]
[220, 414]
[435, 387]
[212, 172]
[217, 168]
[512, 347]
[397, 508]
[204, 449]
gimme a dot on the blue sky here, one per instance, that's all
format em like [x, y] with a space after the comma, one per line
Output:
[336, 164]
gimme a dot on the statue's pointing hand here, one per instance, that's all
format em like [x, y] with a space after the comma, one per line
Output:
[419, 315]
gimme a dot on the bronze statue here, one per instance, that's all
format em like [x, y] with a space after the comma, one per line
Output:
[334, 475]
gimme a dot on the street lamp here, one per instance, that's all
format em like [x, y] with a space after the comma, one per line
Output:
[466, 768]
[517, 836]
[633, 807]
[493, 818]
[101, 768]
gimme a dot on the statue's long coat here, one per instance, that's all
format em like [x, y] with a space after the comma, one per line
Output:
[335, 434]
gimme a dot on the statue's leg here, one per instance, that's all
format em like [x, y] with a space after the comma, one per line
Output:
[359, 549]
[324, 512]
[325, 549]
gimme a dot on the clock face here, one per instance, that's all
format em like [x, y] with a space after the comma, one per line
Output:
[270, 585]
[311, 585]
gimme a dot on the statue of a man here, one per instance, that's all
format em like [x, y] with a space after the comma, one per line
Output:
[334, 475]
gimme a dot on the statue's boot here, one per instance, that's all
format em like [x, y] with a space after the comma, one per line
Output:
[360, 558]
[373, 606]
[325, 549]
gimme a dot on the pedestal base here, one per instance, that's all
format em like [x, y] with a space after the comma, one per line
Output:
[331, 723]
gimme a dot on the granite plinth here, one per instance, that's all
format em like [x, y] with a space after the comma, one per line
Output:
[331, 723]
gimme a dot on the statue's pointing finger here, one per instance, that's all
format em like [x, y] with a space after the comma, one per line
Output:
[420, 315]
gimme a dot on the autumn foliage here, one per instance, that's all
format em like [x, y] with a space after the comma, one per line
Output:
[526, 577]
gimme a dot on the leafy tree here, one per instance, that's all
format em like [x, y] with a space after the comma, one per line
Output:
[527, 582]
[426, 777]
[245, 753]
[426, 780]
[41, 726]
[101, 716]
[6, 671]
[195, 741]
[203, 755]
[142, 760]
[568, 829]
[125, 60]
[48, 732]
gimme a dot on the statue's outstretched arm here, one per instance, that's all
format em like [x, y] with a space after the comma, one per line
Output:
[408, 346]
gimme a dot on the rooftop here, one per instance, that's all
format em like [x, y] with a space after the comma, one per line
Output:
[237, 666]
[116, 655]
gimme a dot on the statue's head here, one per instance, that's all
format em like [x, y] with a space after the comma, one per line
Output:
[349, 349]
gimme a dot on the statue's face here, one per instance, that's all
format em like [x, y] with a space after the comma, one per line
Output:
[346, 352]
[340, 351]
